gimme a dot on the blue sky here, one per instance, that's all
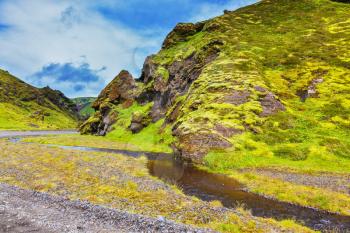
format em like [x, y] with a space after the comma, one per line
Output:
[78, 46]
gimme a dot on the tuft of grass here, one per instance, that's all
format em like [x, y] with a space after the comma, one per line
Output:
[299, 194]
[13, 117]
[154, 137]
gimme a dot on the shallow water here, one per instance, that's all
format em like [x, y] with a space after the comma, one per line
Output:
[208, 186]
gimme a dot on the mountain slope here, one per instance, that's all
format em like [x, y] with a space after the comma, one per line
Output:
[23, 106]
[266, 82]
[84, 105]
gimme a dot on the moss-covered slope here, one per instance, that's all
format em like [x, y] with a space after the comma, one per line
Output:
[84, 105]
[271, 80]
[23, 106]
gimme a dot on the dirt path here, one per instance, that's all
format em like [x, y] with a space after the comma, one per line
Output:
[28, 211]
[9, 134]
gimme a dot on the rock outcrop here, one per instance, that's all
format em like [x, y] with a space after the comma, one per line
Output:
[181, 32]
[121, 90]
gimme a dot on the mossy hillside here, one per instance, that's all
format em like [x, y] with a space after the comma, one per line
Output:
[279, 49]
[84, 105]
[13, 117]
[25, 107]
[153, 138]
[281, 46]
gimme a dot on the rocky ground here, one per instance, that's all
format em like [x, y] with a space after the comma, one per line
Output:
[29, 211]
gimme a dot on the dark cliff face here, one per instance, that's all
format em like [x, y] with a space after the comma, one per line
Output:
[238, 74]
[180, 75]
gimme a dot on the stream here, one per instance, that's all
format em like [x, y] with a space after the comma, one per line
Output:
[209, 186]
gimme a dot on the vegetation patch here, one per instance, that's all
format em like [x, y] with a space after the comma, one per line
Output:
[153, 138]
[119, 182]
[298, 194]
[13, 117]
[24, 107]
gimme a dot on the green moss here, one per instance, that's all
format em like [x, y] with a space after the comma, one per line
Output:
[151, 138]
[20, 118]
[164, 73]
[299, 194]
[181, 50]
[291, 151]
[25, 107]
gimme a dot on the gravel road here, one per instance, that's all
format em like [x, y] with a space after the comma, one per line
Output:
[9, 134]
[28, 211]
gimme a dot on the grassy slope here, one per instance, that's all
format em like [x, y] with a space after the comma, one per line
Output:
[310, 43]
[281, 46]
[152, 138]
[292, 43]
[85, 105]
[20, 110]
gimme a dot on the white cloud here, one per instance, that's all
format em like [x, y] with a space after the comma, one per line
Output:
[42, 32]
[45, 31]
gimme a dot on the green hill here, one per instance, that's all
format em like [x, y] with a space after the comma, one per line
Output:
[23, 106]
[84, 105]
[265, 84]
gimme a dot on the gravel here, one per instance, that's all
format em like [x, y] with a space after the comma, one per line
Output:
[30, 211]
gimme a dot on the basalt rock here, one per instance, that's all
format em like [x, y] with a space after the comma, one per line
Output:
[139, 121]
[237, 97]
[121, 90]
[227, 132]
[311, 91]
[181, 75]
[270, 105]
[194, 146]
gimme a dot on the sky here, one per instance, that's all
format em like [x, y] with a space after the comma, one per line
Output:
[79, 46]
